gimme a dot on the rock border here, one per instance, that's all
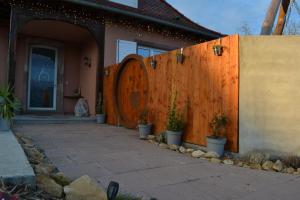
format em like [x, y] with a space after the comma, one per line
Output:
[253, 160]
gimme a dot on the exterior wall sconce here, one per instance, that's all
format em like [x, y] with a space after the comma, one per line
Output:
[218, 50]
[106, 72]
[87, 61]
[153, 63]
[180, 56]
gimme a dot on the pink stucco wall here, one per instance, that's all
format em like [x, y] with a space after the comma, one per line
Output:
[72, 63]
[119, 32]
[3, 54]
[71, 52]
[88, 75]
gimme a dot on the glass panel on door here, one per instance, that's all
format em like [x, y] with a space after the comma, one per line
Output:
[42, 79]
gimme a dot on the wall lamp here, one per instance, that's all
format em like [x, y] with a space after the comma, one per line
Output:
[153, 62]
[218, 49]
[87, 61]
[180, 56]
[106, 72]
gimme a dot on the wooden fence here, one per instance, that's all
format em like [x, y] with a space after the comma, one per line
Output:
[209, 84]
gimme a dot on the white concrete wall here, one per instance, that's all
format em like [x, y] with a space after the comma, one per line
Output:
[269, 104]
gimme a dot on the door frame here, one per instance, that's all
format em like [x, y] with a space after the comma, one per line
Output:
[55, 79]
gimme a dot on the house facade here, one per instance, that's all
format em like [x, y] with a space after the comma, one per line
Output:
[55, 52]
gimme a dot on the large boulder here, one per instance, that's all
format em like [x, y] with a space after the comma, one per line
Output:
[278, 166]
[43, 168]
[81, 108]
[48, 185]
[84, 188]
[268, 165]
[197, 154]
[35, 156]
[211, 154]
[173, 147]
[258, 157]
[182, 149]
[61, 179]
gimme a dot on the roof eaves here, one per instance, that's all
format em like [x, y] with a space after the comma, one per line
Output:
[208, 34]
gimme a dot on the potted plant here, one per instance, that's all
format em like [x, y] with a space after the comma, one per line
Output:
[100, 114]
[9, 104]
[143, 125]
[175, 124]
[217, 140]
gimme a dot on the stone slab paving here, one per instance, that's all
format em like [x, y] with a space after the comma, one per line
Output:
[112, 153]
[14, 166]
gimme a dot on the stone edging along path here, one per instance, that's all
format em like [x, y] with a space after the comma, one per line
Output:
[254, 160]
[52, 184]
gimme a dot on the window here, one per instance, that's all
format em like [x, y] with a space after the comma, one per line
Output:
[131, 3]
[148, 51]
[124, 48]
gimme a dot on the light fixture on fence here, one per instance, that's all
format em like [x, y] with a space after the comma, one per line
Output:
[87, 61]
[106, 72]
[153, 62]
[180, 56]
[218, 49]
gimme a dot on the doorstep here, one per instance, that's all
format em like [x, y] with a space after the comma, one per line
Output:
[52, 119]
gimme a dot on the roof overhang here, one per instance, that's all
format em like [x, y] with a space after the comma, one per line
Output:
[206, 34]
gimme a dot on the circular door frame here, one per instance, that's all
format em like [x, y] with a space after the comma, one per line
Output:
[120, 69]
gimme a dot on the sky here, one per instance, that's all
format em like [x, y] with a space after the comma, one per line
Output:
[227, 16]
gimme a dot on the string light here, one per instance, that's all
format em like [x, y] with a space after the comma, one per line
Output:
[85, 16]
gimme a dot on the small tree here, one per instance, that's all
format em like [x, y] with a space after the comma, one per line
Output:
[175, 120]
[143, 117]
[100, 105]
[9, 104]
[245, 29]
[218, 125]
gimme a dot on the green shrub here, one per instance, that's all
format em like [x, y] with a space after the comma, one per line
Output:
[218, 125]
[100, 105]
[143, 117]
[9, 104]
[175, 120]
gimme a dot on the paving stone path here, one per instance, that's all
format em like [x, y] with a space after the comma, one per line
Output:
[111, 153]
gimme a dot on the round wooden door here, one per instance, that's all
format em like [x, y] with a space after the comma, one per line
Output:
[131, 90]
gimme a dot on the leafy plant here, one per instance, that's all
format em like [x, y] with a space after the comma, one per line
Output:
[218, 125]
[143, 117]
[292, 161]
[100, 105]
[9, 104]
[175, 119]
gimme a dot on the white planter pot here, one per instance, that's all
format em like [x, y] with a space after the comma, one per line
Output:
[100, 118]
[174, 137]
[144, 130]
[216, 145]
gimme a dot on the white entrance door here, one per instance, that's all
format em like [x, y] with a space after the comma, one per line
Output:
[42, 78]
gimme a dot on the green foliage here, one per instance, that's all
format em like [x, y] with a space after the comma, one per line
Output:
[292, 161]
[100, 105]
[162, 138]
[9, 104]
[175, 119]
[218, 125]
[143, 117]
